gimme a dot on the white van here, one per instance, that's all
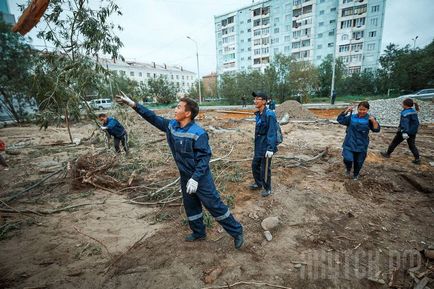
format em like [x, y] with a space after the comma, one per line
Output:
[101, 103]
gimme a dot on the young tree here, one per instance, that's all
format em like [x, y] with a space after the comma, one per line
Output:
[162, 90]
[325, 71]
[16, 61]
[80, 33]
[303, 79]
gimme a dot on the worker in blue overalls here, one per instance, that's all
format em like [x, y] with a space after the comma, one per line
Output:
[265, 144]
[188, 143]
[114, 128]
[356, 141]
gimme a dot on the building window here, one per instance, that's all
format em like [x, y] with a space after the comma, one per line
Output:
[321, 24]
[372, 33]
[358, 35]
[331, 33]
[375, 8]
[374, 21]
[321, 1]
[319, 35]
[287, 49]
[344, 37]
[330, 44]
[332, 21]
[371, 46]
[148, 74]
[318, 57]
[276, 19]
[333, 9]
[319, 46]
[321, 12]
[122, 72]
[131, 73]
[287, 38]
[171, 77]
[276, 50]
[276, 30]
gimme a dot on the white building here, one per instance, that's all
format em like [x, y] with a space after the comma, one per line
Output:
[142, 72]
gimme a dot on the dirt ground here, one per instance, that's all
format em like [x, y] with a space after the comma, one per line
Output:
[334, 232]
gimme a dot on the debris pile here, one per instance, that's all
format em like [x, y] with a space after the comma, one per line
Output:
[387, 111]
[92, 169]
[294, 110]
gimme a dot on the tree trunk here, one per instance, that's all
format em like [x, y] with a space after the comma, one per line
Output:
[67, 123]
[9, 105]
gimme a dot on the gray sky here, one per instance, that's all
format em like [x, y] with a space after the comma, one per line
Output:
[156, 30]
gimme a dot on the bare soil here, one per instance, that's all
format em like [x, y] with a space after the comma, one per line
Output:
[334, 232]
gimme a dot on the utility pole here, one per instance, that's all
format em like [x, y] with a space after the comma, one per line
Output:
[414, 41]
[198, 74]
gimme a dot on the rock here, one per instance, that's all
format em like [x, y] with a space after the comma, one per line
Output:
[375, 280]
[268, 236]
[77, 141]
[285, 119]
[429, 253]
[211, 275]
[431, 164]
[298, 266]
[270, 223]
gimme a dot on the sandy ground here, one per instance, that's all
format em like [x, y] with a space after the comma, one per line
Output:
[334, 232]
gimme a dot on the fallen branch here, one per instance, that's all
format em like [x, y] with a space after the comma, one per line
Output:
[123, 254]
[41, 212]
[96, 240]
[168, 202]
[247, 283]
[18, 194]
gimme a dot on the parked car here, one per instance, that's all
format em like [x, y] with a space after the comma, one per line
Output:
[424, 94]
[101, 103]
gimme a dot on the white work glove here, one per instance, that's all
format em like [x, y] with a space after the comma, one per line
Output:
[103, 127]
[405, 135]
[123, 99]
[269, 154]
[192, 186]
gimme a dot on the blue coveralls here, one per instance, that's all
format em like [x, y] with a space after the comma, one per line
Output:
[409, 124]
[272, 105]
[265, 140]
[356, 141]
[119, 133]
[192, 153]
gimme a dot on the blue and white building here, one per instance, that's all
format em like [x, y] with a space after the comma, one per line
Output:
[308, 30]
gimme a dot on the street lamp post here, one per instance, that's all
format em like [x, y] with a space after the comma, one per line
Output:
[414, 41]
[198, 75]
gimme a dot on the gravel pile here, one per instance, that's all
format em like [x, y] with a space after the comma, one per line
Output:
[294, 110]
[387, 111]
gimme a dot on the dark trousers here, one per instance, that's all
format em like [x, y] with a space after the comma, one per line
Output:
[208, 196]
[258, 170]
[2, 161]
[123, 140]
[411, 141]
[355, 159]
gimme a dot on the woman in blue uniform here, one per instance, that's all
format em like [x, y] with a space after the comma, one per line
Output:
[355, 146]
[408, 126]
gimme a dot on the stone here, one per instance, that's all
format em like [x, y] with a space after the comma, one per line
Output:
[270, 223]
[268, 236]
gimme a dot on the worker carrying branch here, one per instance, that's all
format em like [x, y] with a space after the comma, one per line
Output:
[114, 128]
[188, 143]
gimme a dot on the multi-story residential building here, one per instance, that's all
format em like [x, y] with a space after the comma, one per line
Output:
[5, 13]
[308, 30]
[142, 72]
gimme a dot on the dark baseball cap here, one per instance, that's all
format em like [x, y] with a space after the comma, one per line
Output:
[260, 94]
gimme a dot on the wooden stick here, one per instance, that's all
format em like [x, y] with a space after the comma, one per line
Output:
[248, 283]
[40, 212]
[108, 252]
[18, 194]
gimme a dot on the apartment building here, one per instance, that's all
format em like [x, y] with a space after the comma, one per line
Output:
[308, 30]
[142, 72]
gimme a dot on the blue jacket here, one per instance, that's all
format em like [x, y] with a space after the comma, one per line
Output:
[189, 146]
[357, 137]
[114, 127]
[409, 122]
[265, 132]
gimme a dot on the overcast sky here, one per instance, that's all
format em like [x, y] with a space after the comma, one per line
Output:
[156, 30]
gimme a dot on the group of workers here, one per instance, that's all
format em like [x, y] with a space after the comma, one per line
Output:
[189, 145]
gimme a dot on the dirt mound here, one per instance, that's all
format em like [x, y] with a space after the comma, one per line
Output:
[295, 111]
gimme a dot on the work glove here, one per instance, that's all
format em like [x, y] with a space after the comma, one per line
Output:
[192, 186]
[123, 99]
[269, 154]
[103, 127]
[405, 135]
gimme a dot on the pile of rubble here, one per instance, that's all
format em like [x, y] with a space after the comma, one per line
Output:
[387, 111]
[294, 110]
